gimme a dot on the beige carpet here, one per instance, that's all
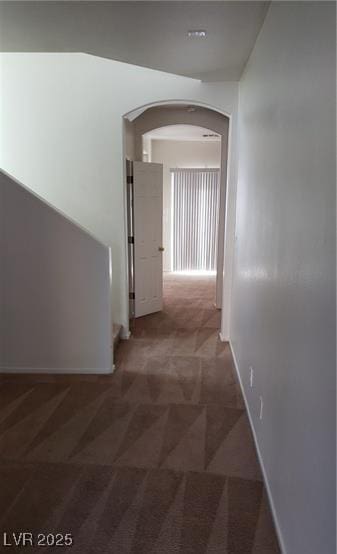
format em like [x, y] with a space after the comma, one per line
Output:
[157, 458]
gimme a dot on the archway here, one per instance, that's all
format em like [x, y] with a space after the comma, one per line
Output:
[155, 115]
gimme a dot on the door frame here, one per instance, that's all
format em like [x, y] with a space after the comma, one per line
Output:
[228, 206]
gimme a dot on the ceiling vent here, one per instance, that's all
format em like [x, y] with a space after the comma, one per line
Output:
[197, 33]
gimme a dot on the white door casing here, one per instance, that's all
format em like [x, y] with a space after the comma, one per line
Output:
[148, 236]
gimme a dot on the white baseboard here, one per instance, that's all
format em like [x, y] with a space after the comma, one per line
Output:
[60, 371]
[125, 335]
[265, 478]
[222, 337]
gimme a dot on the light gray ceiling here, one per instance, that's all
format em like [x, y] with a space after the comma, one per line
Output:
[149, 34]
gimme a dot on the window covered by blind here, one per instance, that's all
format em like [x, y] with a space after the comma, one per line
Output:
[195, 213]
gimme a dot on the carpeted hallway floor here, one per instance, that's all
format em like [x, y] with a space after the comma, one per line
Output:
[157, 458]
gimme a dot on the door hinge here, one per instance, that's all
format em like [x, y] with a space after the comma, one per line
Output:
[132, 296]
[129, 179]
[131, 240]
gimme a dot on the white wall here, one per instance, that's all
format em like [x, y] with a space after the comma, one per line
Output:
[2, 246]
[55, 290]
[61, 135]
[283, 317]
[174, 153]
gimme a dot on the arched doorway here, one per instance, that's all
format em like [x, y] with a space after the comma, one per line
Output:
[144, 120]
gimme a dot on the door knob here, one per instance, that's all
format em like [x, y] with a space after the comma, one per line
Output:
[161, 248]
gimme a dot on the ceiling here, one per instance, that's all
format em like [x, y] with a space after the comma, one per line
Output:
[183, 132]
[148, 34]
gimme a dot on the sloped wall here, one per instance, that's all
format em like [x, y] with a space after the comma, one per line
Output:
[55, 281]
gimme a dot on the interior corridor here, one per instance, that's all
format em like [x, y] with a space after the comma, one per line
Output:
[156, 458]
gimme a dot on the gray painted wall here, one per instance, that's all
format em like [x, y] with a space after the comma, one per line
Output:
[283, 318]
[55, 289]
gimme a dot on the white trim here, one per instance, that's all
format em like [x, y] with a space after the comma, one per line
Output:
[110, 307]
[57, 370]
[264, 473]
[125, 334]
[222, 337]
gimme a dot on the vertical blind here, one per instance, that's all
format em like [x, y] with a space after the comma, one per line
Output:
[195, 214]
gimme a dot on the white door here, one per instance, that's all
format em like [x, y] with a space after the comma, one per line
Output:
[148, 236]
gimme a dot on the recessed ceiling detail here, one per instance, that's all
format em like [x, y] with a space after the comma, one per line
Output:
[148, 34]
